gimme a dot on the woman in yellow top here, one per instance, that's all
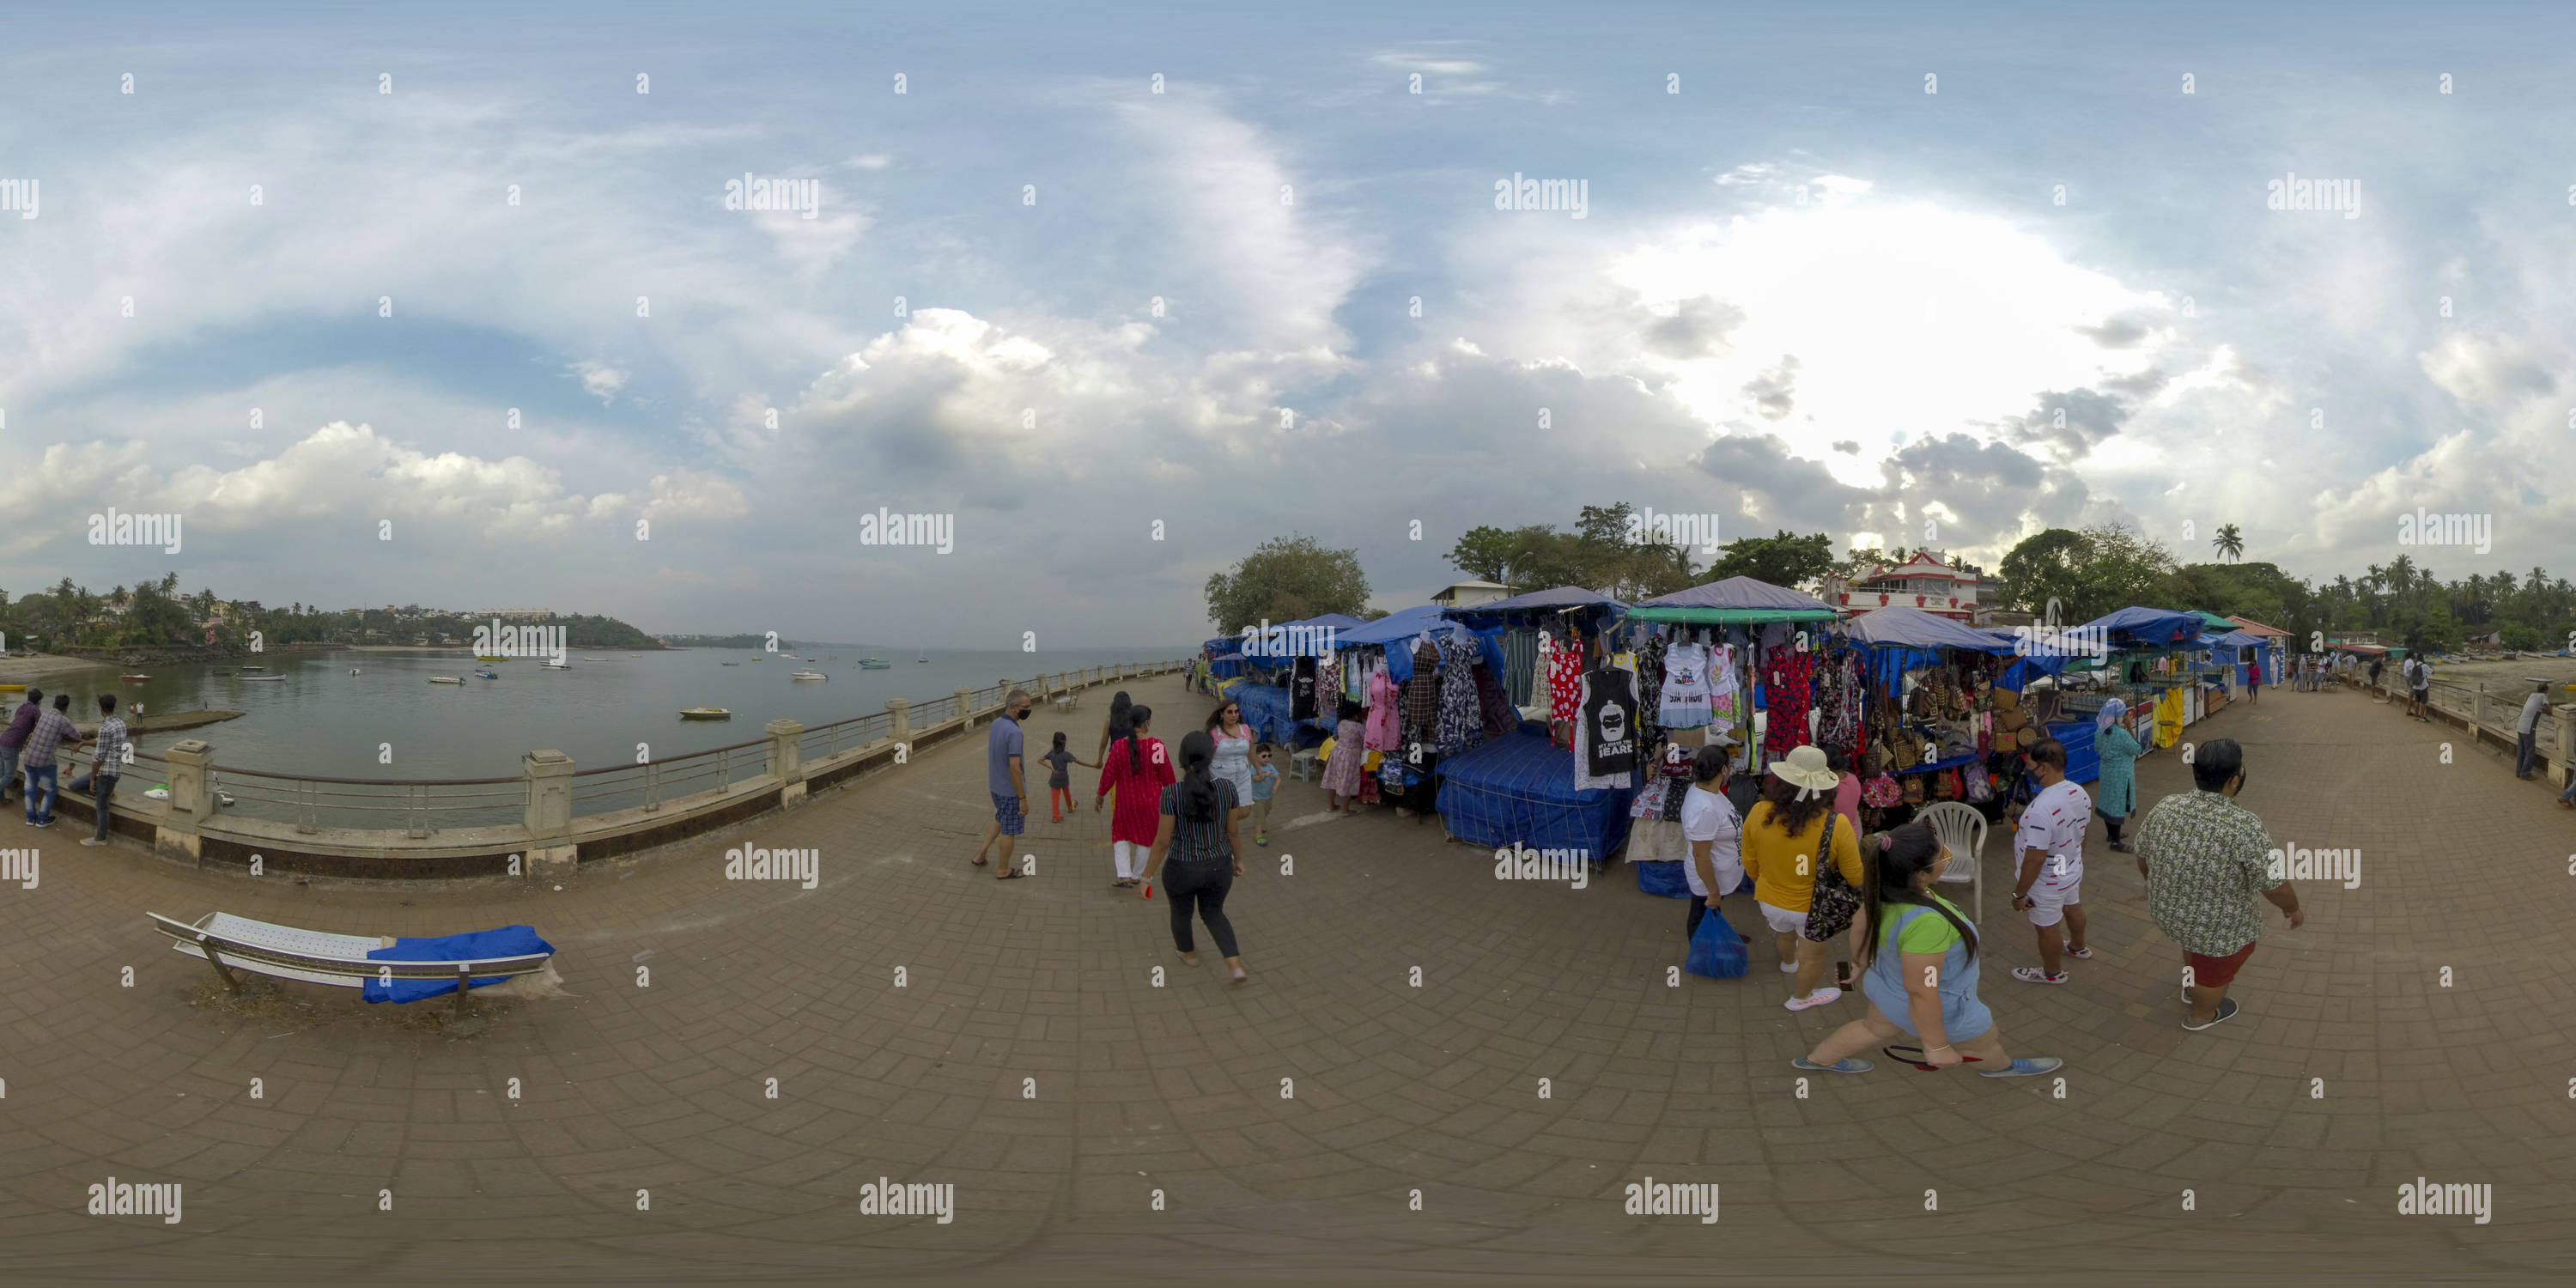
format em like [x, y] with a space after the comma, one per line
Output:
[1781, 837]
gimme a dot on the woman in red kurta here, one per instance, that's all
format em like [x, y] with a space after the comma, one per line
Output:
[1138, 769]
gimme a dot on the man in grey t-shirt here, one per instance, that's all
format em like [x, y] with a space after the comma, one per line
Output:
[1006, 779]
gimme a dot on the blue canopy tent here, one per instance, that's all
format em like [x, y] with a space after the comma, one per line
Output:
[1398, 627]
[2147, 627]
[1517, 623]
[1901, 639]
[1553, 598]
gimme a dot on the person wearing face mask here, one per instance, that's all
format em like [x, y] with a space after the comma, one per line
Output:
[1007, 780]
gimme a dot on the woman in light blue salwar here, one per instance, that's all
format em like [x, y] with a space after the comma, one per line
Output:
[2115, 794]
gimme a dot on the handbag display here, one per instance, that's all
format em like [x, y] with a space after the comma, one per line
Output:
[1834, 903]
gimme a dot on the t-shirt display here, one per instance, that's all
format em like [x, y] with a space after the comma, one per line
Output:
[1605, 733]
[1685, 699]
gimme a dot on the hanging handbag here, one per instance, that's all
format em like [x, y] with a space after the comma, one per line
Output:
[1831, 906]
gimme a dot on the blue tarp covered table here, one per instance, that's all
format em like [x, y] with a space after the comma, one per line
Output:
[1265, 708]
[1519, 789]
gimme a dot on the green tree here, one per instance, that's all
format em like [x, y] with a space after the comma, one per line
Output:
[2230, 542]
[1286, 579]
[1780, 559]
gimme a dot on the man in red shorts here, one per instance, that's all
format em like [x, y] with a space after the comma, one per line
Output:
[2205, 858]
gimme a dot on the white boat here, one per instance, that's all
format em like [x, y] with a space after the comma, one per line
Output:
[446, 679]
[279, 678]
[809, 675]
[556, 666]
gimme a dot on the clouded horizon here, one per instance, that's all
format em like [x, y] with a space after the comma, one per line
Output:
[1036, 294]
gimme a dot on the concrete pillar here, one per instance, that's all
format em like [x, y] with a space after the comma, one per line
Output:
[898, 719]
[189, 802]
[966, 708]
[551, 852]
[2478, 705]
[787, 760]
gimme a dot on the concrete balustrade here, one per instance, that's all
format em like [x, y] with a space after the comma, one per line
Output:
[551, 840]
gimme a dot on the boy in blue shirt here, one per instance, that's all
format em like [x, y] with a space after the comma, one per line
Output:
[1265, 776]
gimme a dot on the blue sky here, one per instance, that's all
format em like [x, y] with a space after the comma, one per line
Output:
[1805, 293]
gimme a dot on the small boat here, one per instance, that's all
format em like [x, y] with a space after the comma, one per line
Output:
[809, 675]
[487, 675]
[728, 663]
[705, 713]
[247, 669]
[556, 666]
[13, 688]
[833, 658]
[279, 678]
[487, 657]
[925, 656]
[134, 677]
[755, 657]
[353, 670]
[875, 664]
[634, 655]
[445, 679]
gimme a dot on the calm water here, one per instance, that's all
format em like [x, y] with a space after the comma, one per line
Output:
[322, 720]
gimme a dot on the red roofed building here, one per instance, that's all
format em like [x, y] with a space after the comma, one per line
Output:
[1926, 581]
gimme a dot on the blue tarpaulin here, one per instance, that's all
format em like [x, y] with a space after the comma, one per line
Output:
[2154, 627]
[1265, 708]
[1519, 789]
[480, 945]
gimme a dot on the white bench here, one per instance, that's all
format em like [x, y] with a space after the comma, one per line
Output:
[318, 957]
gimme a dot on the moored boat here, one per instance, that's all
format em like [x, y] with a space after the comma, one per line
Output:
[279, 678]
[809, 675]
[446, 679]
[705, 713]
[134, 677]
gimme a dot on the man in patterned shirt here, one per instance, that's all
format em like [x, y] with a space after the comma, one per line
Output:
[100, 781]
[2205, 857]
[51, 728]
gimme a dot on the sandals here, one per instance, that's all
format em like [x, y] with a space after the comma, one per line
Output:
[2034, 975]
[1848, 1064]
[2084, 954]
[2025, 1068]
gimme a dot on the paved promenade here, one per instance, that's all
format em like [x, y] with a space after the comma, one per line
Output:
[1029, 1060]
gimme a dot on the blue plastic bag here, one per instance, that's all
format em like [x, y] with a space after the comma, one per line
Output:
[1716, 951]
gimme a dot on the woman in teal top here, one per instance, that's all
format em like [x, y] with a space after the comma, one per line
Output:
[1922, 968]
[2115, 794]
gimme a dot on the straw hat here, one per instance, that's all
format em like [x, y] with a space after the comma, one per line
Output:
[1805, 769]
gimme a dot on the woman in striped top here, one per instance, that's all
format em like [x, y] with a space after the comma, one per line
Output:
[1196, 834]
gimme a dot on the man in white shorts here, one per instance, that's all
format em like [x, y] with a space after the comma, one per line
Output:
[1709, 823]
[2051, 845]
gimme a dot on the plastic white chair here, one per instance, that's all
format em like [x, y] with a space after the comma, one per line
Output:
[1963, 830]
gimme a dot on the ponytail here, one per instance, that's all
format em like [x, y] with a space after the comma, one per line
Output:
[1889, 863]
[1138, 718]
[1197, 799]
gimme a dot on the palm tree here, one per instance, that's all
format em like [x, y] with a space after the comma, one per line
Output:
[2230, 542]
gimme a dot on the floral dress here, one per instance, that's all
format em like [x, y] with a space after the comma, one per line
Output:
[1462, 722]
[1564, 680]
[1350, 751]
[1788, 678]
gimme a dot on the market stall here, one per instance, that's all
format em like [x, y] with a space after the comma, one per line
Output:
[2151, 665]
[1757, 662]
[1428, 689]
[1945, 719]
[1544, 634]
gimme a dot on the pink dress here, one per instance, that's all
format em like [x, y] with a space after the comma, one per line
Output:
[1383, 717]
[1350, 751]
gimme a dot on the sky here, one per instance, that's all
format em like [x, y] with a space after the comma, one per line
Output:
[446, 305]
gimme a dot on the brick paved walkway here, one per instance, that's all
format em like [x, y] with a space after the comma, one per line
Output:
[1397, 1088]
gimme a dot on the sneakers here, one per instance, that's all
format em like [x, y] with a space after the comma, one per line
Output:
[2080, 954]
[1821, 997]
[2227, 1009]
[1788, 968]
[1848, 1064]
[92, 840]
[2025, 1068]
[2034, 975]
[47, 823]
